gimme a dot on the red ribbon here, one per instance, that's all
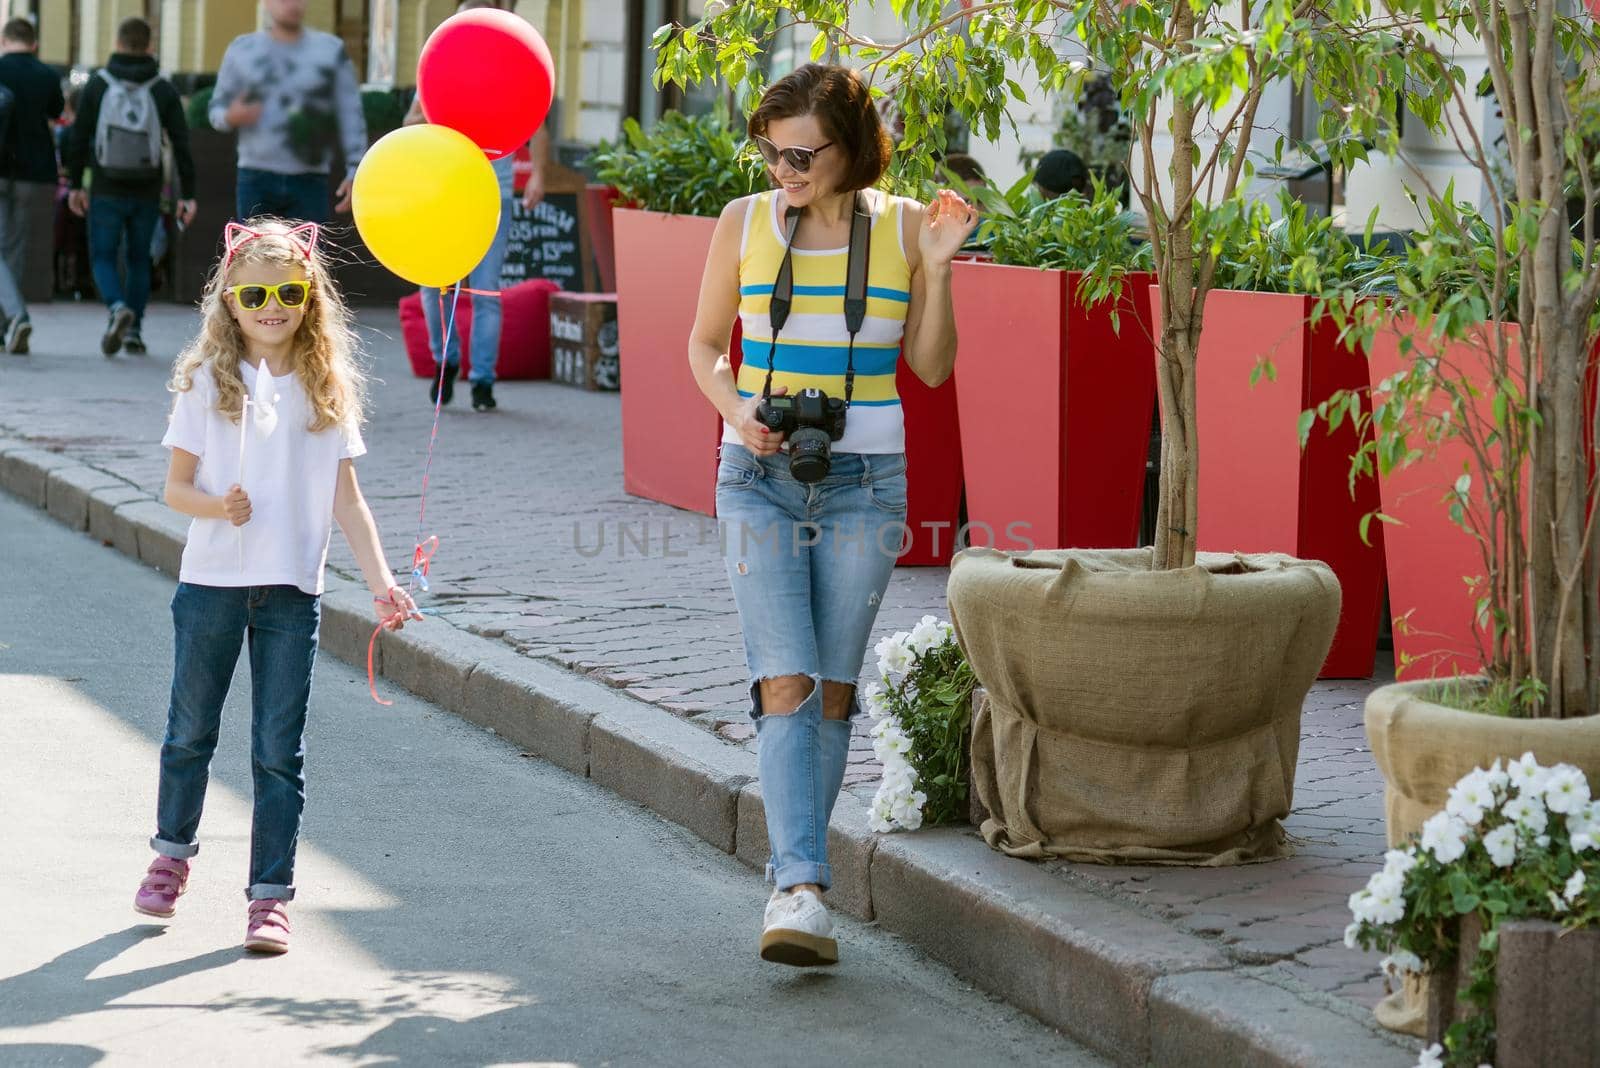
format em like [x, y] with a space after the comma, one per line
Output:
[420, 560]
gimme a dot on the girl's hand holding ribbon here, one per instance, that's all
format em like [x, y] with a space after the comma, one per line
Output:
[394, 609]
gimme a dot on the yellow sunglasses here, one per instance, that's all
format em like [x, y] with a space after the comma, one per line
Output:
[253, 296]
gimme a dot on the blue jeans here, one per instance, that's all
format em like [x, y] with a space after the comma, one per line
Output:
[116, 223]
[288, 196]
[211, 624]
[809, 564]
[485, 310]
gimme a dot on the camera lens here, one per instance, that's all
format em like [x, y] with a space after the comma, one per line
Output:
[810, 454]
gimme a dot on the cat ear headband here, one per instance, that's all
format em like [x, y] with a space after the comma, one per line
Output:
[234, 237]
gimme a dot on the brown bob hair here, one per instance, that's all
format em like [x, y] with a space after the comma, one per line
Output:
[842, 104]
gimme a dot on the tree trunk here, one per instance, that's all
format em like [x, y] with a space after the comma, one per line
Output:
[1177, 521]
[1178, 518]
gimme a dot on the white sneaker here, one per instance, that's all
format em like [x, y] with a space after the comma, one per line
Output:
[798, 931]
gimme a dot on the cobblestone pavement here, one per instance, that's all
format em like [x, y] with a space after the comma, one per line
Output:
[541, 549]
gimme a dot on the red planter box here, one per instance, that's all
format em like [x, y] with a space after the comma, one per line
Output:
[1056, 408]
[1429, 555]
[668, 452]
[524, 332]
[597, 202]
[1259, 491]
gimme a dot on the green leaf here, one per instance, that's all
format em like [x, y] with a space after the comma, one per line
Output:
[1308, 419]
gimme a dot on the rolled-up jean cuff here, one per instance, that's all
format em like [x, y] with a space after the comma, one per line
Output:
[175, 850]
[800, 873]
[269, 892]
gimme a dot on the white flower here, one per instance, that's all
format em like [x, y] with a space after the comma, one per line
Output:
[1432, 1057]
[1445, 837]
[1401, 960]
[1566, 790]
[1555, 902]
[1350, 933]
[1574, 887]
[1527, 776]
[1583, 831]
[1497, 776]
[926, 635]
[906, 809]
[1471, 797]
[878, 819]
[893, 656]
[1399, 861]
[877, 701]
[1381, 901]
[1502, 845]
[1408, 961]
[898, 778]
[888, 740]
[1527, 811]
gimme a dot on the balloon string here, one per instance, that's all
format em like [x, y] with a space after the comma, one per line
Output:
[422, 553]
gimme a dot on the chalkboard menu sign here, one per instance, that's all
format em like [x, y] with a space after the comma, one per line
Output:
[546, 242]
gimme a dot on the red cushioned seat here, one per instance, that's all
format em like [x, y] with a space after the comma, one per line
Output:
[524, 332]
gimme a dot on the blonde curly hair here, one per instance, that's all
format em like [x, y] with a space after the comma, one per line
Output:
[326, 350]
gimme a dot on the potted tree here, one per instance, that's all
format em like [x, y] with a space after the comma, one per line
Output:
[1483, 422]
[1142, 704]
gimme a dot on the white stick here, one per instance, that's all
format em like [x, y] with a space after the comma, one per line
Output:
[244, 430]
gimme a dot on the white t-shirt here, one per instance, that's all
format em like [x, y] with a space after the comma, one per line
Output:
[289, 473]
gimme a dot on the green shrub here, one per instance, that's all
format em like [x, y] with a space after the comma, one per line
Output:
[198, 108]
[1072, 232]
[684, 165]
[382, 111]
[1296, 253]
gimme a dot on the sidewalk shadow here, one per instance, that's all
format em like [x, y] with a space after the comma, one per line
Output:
[24, 1054]
[61, 987]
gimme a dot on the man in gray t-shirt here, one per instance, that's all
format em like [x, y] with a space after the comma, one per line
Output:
[290, 91]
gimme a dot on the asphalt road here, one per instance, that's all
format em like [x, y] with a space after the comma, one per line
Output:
[458, 903]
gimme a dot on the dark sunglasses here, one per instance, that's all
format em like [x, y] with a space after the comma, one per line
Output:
[797, 157]
[253, 296]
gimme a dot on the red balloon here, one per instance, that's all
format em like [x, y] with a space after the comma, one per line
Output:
[488, 74]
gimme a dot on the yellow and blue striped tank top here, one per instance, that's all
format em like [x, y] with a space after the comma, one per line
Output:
[813, 343]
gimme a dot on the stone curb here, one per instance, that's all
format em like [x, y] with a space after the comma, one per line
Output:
[1109, 976]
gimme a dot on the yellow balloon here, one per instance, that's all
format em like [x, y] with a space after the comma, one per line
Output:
[427, 203]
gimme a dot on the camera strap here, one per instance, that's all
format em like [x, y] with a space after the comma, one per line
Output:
[857, 269]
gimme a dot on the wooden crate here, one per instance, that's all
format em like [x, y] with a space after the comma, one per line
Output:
[583, 340]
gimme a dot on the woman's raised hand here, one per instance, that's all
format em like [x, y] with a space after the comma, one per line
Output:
[947, 222]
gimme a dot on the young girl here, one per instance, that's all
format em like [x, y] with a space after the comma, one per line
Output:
[266, 424]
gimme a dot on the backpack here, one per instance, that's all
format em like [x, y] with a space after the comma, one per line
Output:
[127, 135]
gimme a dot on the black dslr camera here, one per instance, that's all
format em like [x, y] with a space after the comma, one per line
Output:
[813, 421]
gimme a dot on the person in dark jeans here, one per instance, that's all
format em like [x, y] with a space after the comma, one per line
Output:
[27, 166]
[290, 91]
[124, 206]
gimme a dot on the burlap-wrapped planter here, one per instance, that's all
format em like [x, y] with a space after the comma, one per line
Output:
[1423, 749]
[1135, 715]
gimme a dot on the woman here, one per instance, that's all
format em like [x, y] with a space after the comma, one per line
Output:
[809, 557]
